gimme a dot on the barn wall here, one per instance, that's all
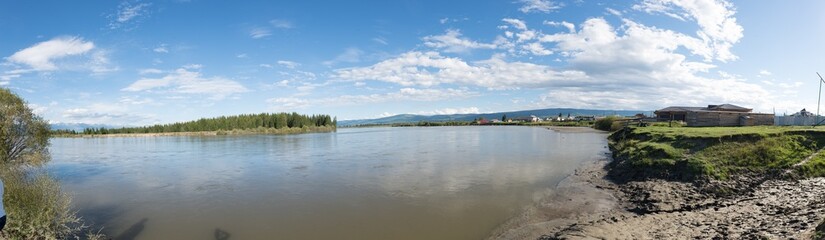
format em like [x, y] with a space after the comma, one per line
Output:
[730, 119]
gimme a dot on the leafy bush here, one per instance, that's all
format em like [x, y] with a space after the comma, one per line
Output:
[24, 136]
[36, 208]
[605, 124]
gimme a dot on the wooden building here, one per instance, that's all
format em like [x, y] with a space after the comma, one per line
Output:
[715, 115]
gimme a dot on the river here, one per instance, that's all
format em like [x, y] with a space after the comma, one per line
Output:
[365, 183]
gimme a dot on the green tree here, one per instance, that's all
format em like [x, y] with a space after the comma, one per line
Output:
[24, 136]
[504, 118]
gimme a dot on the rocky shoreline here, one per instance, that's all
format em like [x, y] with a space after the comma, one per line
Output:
[587, 205]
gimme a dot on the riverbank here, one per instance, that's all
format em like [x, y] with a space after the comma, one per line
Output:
[253, 131]
[655, 194]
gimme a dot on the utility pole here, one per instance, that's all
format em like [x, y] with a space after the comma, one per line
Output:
[819, 98]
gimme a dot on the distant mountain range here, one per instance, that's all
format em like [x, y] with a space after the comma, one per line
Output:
[78, 127]
[542, 113]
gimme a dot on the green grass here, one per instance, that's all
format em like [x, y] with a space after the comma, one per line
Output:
[716, 152]
[718, 132]
[769, 153]
[815, 167]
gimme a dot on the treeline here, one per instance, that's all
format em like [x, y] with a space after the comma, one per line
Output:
[226, 123]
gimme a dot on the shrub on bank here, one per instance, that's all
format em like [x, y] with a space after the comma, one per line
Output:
[36, 208]
[607, 124]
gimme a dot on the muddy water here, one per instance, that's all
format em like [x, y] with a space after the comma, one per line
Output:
[374, 183]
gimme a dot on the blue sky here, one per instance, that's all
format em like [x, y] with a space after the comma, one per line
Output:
[145, 62]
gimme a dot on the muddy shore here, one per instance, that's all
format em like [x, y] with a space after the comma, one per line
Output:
[588, 206]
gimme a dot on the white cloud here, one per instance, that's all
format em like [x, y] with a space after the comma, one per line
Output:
[614, 11]
[161, 49]
[41, 56]
[452, 42]
[719, 28]
[764, 73]
[280, 23]
[150, 71]
[404, 94]
[447, 20]
[604, 67]
[188, 81]
[99, 63]
[242, 55]
[259, 32]
[516, 23]
[380, 40]
[264, 65]
[570, 27]
[350, 55]
[537, 49]
[385, 114]
[639, 48]
[128, 12]
[636, 63]
[288, 64]
[135, 100]
[8, 77]
[544, 6]
[38, 109]
[431, 68]
[451, 111]
[192, 66]
[107, 115]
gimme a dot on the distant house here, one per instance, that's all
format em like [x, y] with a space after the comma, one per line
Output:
[495, 121]
[714, 115]
[531, 118]
[585, 118]
[801, 118]
[803, 113]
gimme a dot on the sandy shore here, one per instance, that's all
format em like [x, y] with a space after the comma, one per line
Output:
[587, 206]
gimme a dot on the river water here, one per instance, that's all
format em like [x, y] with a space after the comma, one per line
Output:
[369, 183]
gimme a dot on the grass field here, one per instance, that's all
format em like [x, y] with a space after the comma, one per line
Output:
[717, 152]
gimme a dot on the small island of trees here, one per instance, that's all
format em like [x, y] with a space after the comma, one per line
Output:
[277, 123]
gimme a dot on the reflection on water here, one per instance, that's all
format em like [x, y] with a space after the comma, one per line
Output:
[377, 183]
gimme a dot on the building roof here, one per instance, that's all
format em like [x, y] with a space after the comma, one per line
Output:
[679, 109]
[720, 108]
[728, 107]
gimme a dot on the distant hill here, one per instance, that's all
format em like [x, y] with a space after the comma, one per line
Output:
[78, 127]
[542, 113]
